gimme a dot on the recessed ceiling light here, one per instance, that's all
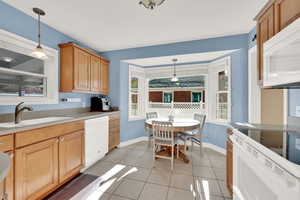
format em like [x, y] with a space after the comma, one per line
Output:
[7, 59]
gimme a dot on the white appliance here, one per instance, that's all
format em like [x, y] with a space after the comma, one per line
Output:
[96, 140]
[281, 56]
[260, 174]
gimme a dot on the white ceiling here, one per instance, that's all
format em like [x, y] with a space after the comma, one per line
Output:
[186, 58]
[117, 24]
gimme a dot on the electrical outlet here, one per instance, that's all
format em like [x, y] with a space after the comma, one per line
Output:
[297, 111]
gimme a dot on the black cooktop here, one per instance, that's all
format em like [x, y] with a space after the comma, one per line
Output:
[281, 140]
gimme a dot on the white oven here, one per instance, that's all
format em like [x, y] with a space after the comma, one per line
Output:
[257, 176]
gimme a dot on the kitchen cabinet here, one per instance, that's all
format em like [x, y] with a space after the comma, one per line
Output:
[96, 74]
[287, 12]
[36, 170]
[114, 132]
[104, 77]
[82, 70]
[45, 158]
[273, 18]
[229, 162]
[265, 30]
[71, 155]
[7, 185]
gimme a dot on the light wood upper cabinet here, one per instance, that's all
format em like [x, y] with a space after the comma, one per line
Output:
[82, 71]
[104, 77]
[71, 155]
[95, 74]
[265, 30]
[36, 171]
[287, 12]
[274, 17]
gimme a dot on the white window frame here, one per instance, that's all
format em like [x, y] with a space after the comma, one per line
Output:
[21, 45]
[215, 67]
[139, 73]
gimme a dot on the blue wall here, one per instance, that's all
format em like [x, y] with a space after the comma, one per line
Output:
[215, 134]
[17, 22]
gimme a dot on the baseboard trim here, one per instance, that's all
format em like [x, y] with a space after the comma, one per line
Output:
[132, 141]
[145, 138]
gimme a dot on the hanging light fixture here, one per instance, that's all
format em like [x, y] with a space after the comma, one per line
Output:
[151, 4]
[174, 78]
[39, 51]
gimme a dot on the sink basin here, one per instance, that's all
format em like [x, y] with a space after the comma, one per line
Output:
[32, 122]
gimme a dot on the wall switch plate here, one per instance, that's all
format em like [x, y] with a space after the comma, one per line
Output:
[297, 111]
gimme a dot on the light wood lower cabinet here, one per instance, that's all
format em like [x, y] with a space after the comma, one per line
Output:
[7, 185]
[229, 162]
[36, 170]
[71, 155]
[114, 132]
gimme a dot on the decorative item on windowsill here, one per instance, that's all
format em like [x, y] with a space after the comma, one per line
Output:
[151, 4]
[39, 51]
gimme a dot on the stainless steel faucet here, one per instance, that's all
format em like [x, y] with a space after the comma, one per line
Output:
[19, 110]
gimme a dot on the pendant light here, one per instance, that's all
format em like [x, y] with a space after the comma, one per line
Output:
[174, 78]
[151, 4]
[39, 51]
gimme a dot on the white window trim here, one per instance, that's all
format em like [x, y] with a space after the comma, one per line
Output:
[139, 73]
[51, 69]
[216, 66]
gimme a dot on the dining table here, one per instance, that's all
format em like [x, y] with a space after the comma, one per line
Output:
[179, 125]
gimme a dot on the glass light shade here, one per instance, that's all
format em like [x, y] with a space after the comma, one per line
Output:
[39, 53]
[174, 79]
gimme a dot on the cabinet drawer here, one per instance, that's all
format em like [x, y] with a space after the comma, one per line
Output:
[37, 135]
[6, 143]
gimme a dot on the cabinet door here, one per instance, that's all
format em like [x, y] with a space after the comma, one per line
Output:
[82, 66]
[7, 185]
[265, 30]
[36, 169]
[229, 167]
[288, 11]
[71, 155]
[95, 74]
[104, 77]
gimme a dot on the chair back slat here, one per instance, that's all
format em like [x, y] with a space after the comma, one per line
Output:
[151, 115]
[162, 130]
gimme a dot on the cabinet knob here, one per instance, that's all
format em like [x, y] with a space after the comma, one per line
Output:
[62, 139]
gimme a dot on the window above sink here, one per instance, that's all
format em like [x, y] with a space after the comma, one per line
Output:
[23, 77]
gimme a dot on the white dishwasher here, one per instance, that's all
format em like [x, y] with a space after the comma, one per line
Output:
[96, 140]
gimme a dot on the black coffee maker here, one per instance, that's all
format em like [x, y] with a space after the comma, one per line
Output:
[100, 104]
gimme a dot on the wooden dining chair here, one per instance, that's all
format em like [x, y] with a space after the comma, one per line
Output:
[150, 115]
[195, 136]
[163, 137]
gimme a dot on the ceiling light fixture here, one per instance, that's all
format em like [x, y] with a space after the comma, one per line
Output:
[174, 78]
[39, 51]
[151, 4]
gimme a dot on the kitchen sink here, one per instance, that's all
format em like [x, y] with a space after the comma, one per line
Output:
[33, 122]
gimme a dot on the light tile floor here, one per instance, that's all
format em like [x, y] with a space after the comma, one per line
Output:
[129, 173]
